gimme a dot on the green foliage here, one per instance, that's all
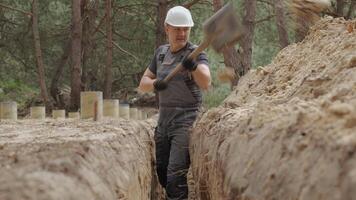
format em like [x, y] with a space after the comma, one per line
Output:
[218, 92]
[265, 45]
[134, 29]
[15, 90]
[216, 95]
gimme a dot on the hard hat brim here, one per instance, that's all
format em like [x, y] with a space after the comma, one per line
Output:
[180, 25]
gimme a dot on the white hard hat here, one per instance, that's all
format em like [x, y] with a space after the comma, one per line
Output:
[179, 16]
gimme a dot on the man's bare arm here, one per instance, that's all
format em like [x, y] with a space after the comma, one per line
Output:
[146, 83]
[202, 76]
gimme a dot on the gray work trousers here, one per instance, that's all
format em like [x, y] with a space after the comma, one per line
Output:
[172, 150]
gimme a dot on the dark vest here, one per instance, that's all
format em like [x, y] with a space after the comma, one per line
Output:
[182, 91]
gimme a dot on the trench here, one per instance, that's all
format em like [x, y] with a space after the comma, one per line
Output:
[287, 131]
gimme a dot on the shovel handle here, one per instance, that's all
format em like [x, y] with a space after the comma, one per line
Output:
[192, 55]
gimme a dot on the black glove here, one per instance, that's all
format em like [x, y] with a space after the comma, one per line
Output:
[159, 85]
[189, 64]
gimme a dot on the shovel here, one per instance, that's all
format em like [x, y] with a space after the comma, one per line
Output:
[220, 30]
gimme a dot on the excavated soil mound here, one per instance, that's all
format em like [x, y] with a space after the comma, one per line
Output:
[288, 131]
[109, 160]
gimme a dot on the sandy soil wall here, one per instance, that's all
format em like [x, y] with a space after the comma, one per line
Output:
[69, 159]
[288, 131]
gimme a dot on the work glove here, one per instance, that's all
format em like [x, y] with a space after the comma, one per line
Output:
[159, 85]
[189, 64]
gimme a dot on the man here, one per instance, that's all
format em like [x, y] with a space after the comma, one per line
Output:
[179, 100]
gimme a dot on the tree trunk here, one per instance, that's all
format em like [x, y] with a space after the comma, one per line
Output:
[301, 28]
[85, 43]
[55, 92]
[340, 7]
[351, 9]
[247, 41]
[76, 55]
[89, 9]
[231, 57]
[281, 24]
[162, 9]
[39, 61]
[188, 5]
[109, 46]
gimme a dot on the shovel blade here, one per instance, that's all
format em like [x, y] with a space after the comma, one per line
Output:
[223, 28]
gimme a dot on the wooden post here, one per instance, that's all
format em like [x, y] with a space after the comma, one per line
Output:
[96, 111]
[8, 110]
[73, 115]
[144, 115]
[88, 107]
[133, 113]
[124, 111]
[38, 112]
[59, 114]
[111, 108]
[139, 114]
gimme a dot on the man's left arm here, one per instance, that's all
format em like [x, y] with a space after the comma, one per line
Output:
[202, 76]
[199, 69]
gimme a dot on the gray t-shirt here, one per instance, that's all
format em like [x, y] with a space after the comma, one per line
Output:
[182, 91]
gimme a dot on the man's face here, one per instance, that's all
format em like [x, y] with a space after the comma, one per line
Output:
[177, 36]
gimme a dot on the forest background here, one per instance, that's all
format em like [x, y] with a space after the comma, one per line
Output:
[50, 50]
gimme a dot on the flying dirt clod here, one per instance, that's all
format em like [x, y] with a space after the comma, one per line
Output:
[308, 10]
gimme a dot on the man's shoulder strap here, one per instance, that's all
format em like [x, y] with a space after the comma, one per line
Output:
[163, 52]
[191, 46]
